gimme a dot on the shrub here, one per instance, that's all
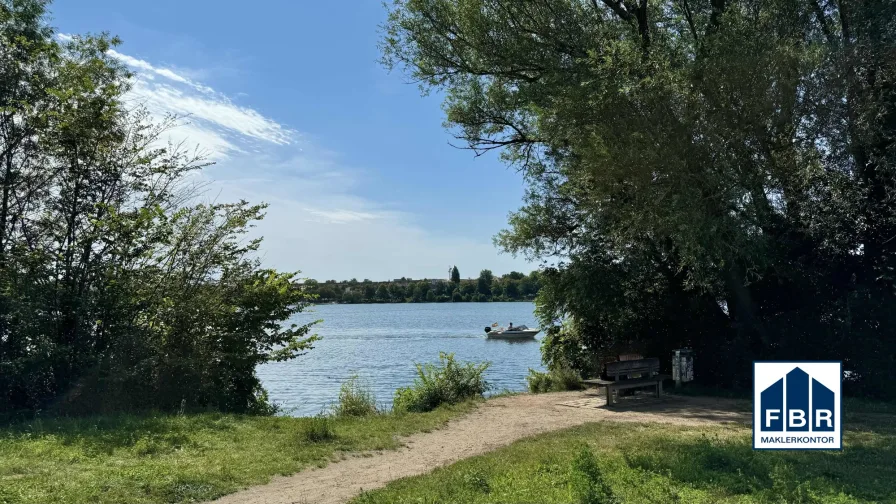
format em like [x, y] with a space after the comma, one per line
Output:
[355, 400]
[318, 429]
[448, 382]
[555, 380]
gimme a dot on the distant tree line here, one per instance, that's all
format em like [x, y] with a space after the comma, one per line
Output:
[513, 286]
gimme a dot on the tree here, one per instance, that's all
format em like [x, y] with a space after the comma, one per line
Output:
[484, 283]
[515, 275]
[419, 291]
[327, 293]
[512, 289]
[718, 174]
[455, 275]
[397, 292]
[116, 292]
[382, 293]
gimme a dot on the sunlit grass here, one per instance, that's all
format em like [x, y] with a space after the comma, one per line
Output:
[664, 464]
[166, 458]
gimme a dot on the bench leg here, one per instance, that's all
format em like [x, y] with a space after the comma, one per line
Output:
[609, 396]
[659, 388]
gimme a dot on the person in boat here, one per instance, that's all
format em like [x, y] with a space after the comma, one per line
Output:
[510, 328]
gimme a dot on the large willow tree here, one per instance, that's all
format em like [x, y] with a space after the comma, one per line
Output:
[117, 291]
[712, 173]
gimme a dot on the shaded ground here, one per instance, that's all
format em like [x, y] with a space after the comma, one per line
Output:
[497, 423]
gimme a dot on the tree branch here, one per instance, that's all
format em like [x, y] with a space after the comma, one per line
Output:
[617, 7]
[689, 16]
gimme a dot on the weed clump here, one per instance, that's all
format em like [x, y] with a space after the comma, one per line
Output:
[448, 382]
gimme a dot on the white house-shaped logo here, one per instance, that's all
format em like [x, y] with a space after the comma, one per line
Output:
[796, 406]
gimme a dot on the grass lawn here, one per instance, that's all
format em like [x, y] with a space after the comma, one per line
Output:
[649, 463]
[162, 459]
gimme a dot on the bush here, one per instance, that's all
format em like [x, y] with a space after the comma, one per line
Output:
[154, 301]
[318, 429]
[555, 380]
[449, 382]
[355, 400]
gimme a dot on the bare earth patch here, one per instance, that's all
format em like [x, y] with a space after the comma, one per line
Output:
[496, 423]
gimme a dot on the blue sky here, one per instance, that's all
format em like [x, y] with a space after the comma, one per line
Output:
[289, 100]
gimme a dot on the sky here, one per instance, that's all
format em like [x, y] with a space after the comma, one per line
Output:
[288, 99]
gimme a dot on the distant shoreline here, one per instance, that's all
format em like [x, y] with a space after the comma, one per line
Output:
[423, 302]
[514, 286]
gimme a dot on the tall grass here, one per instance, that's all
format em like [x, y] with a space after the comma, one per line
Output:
[555, 380]
[355, 399]
[448, 382]
[318, 429]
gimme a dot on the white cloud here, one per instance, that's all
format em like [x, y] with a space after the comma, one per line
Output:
[342, 216]
[316, 220]
[210, 119]
[163, 72]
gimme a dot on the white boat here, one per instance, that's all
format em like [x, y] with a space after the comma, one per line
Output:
[517, 333]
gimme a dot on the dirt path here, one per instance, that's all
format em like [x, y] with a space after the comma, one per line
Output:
[497, 423]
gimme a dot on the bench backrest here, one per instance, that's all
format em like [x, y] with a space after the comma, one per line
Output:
[645, 367]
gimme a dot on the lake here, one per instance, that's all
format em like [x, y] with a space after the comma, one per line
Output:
[381, 342]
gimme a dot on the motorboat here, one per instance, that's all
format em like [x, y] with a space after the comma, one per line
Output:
[517, 333]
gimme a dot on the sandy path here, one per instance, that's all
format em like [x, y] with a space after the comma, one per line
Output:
[496, 423]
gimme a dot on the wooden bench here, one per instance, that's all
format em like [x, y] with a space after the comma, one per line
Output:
[631, 374]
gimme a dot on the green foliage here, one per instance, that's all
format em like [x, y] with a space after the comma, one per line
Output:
[318, 429]
[355, 399]
[448, 382]
[115, 293]
[634, 463]
[455, 275]
[719, 175]
[484, 283]
[156, 459]
[555, 380]
[514, 286]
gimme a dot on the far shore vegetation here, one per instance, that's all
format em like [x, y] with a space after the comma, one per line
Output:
[514, 286]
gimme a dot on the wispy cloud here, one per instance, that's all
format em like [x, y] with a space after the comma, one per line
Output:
[342, 216]
[210, 119]
[162, 72]
[317, 220]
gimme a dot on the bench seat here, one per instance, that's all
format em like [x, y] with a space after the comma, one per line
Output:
[648, 370]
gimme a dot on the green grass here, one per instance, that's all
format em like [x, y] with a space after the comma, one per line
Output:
[663, 464]
[167, 458]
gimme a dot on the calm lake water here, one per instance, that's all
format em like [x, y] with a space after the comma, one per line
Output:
[381, 342]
